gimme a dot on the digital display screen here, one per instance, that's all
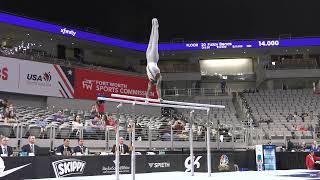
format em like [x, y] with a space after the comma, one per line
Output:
[42, 26]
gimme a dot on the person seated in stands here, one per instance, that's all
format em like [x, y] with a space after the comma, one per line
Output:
[311, 159]
[5, 150]
[290, 145]
[178, 126]
[123, 148]
[93, 111]
[100, 108]
[59, 116]
[95, 127]
[81, 148]
[65, 148]
[76, 126]
[10, 115]
[109, 120]
[31, 148]
[40, 122]
[3, 103]
[315, 146]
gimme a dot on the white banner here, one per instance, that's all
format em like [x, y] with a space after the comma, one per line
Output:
[37, 78]
[9, 74]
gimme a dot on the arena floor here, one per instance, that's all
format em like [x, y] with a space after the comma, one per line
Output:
[247, 175]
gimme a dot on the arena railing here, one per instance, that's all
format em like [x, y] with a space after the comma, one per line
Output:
[198, 92]
[147, 135]
[154, 139]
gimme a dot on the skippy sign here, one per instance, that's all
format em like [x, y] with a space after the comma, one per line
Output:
[67, 167]
[187, 163]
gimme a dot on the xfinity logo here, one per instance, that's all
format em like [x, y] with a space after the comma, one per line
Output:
[187, 163]
[67, 167]
[159, 165]
[66, 31]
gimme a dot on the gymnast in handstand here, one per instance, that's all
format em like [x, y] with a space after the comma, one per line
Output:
[152, 55]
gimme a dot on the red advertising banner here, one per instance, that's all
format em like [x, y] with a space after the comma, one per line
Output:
[88, 84]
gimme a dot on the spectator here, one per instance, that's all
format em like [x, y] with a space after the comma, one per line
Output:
[178, 126]
[64, 149]
[31, 147]
[76, 126]
[94, 127]
[110, 121]
[123, 148]
[290, 145]
[81, 148]
[100, 107]
[93, 111]
[59, 116]
[9, 114]
[5, 150]
[223, 85]
[3, 104]
[310, 160]
[40, 122]
[314, 146]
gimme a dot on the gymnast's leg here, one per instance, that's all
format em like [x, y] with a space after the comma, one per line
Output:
[152, 51]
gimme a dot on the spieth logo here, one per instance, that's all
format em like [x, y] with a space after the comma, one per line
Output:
[67, 167]
[187, 163]
[159, 165]
[43, 77]
[87, 84]
[66, 31]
